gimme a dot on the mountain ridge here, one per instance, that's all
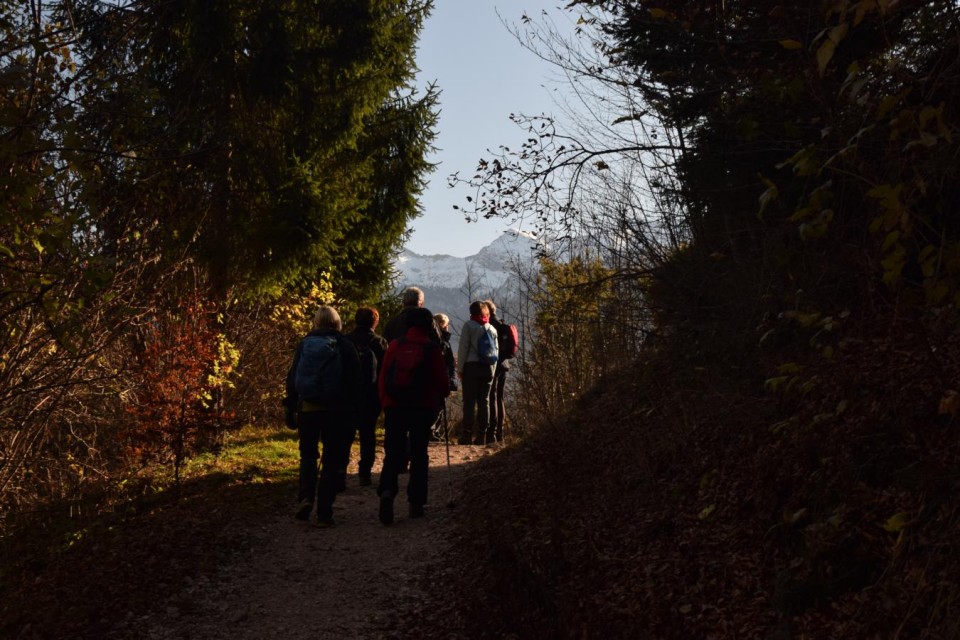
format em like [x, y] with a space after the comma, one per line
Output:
[450, 283]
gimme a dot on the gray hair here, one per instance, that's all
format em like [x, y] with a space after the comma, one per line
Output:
[412, 297]
[327, 318]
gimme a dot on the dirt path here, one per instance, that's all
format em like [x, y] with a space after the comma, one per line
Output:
[355, 580]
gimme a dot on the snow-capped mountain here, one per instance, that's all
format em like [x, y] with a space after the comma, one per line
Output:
[449, 283]
[491, 265]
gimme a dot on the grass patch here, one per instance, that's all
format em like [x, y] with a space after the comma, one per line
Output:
[252, 454]
[69, 576]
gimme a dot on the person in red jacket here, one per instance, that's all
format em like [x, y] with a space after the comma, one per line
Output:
[413, 385]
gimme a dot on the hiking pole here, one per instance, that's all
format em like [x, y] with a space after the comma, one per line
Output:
[446, 438]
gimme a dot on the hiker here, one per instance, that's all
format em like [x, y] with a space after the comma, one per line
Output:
[371, 348]
[413, 386]
[411, 299]
[322, 395]
[449, 359]
[475, 367]
[438, 433]
[504, 340]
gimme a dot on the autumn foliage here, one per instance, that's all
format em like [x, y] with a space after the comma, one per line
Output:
[185, 364]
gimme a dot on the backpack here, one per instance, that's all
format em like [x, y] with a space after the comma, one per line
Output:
[407, 374]
[368, 364]
[508, 340]
[487, 348]
[317, 379]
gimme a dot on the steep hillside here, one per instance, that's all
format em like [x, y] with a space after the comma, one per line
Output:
[692, 505]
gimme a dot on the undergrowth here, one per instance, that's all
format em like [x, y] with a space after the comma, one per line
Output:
[679, 504]
[73, 575]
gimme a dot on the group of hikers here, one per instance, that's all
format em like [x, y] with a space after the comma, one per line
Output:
[339, 383]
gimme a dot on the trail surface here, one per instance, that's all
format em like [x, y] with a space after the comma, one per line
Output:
[352, 581]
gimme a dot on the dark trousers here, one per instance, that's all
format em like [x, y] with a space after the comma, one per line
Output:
[477, 380]
[327, 428]
[495, 430]
[403, 424]
[367, 428]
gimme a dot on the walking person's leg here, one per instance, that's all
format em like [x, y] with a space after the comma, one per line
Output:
[368, 442]
[346, 444]
[484, 383]
[470, 391]
[309, 454]
[333, 432]
[496, 423]
[420, 422]
[492, 404]
[394, 443]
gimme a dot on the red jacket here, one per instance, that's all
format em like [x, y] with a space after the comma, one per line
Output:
[436, 387]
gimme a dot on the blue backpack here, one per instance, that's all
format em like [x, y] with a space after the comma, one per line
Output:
[487, 347]
[319, 374]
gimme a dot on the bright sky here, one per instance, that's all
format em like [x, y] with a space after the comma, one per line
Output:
[484, 75]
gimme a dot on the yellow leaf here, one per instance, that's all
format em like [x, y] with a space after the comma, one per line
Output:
[769, 196]
[889, 102]
[897, 522]
[771, 385]
[824, 54]
[864, 7]
[791, 518]
[890, 240]
[808, 319]
[827, 49]
[791, 45]
[707, 511]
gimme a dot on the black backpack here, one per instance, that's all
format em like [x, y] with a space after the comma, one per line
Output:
[319, 375]
[368, 363]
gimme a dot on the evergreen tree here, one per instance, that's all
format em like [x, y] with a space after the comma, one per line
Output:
[248, 133]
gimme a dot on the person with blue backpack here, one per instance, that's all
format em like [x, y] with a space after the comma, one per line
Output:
[371, 349]
[322, 396]
[476, 361]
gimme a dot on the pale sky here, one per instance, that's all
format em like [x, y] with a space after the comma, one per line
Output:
[484, 75]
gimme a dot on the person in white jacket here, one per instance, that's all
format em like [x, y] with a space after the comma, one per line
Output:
[476, 371]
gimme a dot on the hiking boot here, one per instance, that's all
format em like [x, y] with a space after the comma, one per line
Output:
[386, 508]
[416, 510]
[303, 510]
[365, 480]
